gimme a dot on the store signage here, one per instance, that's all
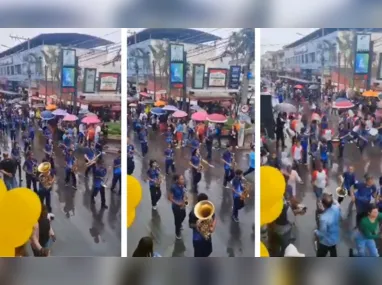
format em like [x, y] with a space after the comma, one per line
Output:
[108, 82]
[177, 67]
[217, 77]
[90, 79]
[363, 42]
[234, 77]
[198, 71]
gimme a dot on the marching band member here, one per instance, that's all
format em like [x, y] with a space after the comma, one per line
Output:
[323, 149]
[48, 150]
[99, 186]
[196, 164]
[297, 154]
[16, 156]
[347, 179]
[27, 143]
[116, 173]
[30, 168]
[362, 196]
[46, 180]
[237, 190]
[143, 140]
[342, 133]
[153, 176]
[319, 180]
[251, 158]
[177, 198]
[202, 246]
[8, 168]
[130, 158]
[169, 161]
[228, 160]
[70, 168]
[90, 155]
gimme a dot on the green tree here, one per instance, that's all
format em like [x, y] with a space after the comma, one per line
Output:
[346, 47]
[161, 58]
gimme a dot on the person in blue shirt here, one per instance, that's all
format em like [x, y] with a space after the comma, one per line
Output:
[304, 140]
[202, 246]
[117, 173]
[154, 178]
[47, 133]
[228, 158]
[169, 159]
[30, 168]
[362, 138]
[348, 181]
[251, 158]
[343, 134]
[169, 136]
[99, 183]
[48, 150]
[143, 140]
[364, 191]
[314, 152]
[90, 155]
[195, 144]
[130, 159]
[44, 192]
[328, 232]
[323, 148]
[31, 134]
[16, 156]
[26, 141]
[237, 191]
[218, 135]
[12, 128]
[177, 197]
[70, 161]
[196, 169]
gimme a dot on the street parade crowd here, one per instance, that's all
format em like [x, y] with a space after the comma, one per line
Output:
[64, 135]
[202, 134]
[317, 133]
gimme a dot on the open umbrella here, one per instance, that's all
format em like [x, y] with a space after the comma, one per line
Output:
[47, 115]
[90, 114]
[70, 118]
[147, 102]
[91, 120]
[196, 108]
[133, 105]
[24, 103]
[298, 86]
[159, 103]
[179, 114]
[170, 108]
[313, 87]
[158, 111]
[342, 104]
[38, 105]
[316, 117]
[51, 107]
[59, 112]
[199, 116]
[216, 118]
[83, 111]
[370, 93]
[286, 107]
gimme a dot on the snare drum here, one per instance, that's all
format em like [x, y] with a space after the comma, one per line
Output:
[335, 142]
[373, 134]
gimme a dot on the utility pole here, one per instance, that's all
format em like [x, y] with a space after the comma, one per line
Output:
[46, 84]
[29, 65]
[154, 74]
[137, 66]
[184, 104]
[169, 70]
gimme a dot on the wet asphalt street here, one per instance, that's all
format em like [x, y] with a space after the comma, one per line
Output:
[306, 224]
[81, 229]
[230, 239]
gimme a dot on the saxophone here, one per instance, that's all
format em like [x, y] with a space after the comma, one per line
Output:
[185, 197]
[245, 193]
[160, 178]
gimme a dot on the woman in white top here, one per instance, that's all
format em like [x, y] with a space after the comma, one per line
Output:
[293, 178]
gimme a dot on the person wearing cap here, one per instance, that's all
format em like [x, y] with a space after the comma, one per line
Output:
[8, 168]
[328, 232]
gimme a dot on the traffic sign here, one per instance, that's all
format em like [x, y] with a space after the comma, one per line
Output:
[245, 108]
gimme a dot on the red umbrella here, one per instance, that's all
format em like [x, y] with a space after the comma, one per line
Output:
[179, 114]
[217, 118]
[299, 86]
[91, 120]
[316, 117]
[70, 118]
[343, 104]
[199, 116]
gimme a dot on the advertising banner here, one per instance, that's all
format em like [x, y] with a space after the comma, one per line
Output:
[363, 42]
[379, 70]
[177, 72]
[198, 71]
[176, 52]
[68, 77]
[90, 76]
[361, 65]
[108, 81]
[69, 57]
[217, 77]
[176, 65]
[234, 77]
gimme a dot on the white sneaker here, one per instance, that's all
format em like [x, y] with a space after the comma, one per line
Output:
[178, 237]
[50, 216]
[155, 208]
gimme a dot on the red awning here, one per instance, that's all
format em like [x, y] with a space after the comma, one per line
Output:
[144, 94]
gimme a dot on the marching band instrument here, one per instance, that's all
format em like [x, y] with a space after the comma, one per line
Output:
[160, 178]
[185, 197]
[233, 161]
[75, 166]
[94, 160]
[200, 167]
[102, 177]
[341, 190]
[204, 211]
[245, 194]
[34, 168]
[45, 178]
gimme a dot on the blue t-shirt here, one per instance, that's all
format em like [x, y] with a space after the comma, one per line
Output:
[252, 159]
[152, 174]
[179, 128]
[117, 166]
[15, 153]
[237, 184]
[69, 159]
[99, 175]
[90, 153]
[363, 196]
[142, 137]
[349, 180]
[194, 144]
[195, 160]
[29, 164]
[324, 152]
[227, 156]
[177, 193]
[169, 154]
[48, 147]
[196, 236]
[130, 151]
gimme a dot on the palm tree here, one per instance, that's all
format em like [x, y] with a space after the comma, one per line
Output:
[161, 58]
[139, 54]
[345, 45]
[52, 60]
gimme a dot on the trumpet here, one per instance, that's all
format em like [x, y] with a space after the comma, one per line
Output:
[245, 193]
[341, 191]
[45, 178]
[204, 211]
[94, 160]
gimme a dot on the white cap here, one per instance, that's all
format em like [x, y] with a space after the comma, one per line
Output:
[291, 251]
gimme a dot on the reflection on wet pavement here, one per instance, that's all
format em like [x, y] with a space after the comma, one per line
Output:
[81, 229]
[229, 239]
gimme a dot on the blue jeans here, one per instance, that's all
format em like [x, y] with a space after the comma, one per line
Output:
[10, 182]
[318, 192]
[363, 244]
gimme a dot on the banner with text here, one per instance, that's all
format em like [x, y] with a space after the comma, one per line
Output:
[217, 77]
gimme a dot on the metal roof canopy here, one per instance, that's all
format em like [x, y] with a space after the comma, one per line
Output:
[64, 39]
[297, 80]
[189, 36]
[10, 93]
[326, 31]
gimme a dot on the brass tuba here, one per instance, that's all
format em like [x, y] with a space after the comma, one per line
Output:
[45, 178]
[204, 211]
[341, 190]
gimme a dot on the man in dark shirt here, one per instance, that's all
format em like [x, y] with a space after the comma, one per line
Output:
[8, 167]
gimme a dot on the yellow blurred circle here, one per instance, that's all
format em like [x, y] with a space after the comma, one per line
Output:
[20, 209]
[7, 251]
[272, 186]
[130, 218]
[268, 215]
[134, 193]
[11, 239]
[3, 189]
[263, 250]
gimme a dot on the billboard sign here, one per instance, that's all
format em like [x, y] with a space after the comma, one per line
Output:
[198, 71]
[108, 82]
[234, 77]
[217, 77]
[363, 42]
[90, 79]
[361, 65]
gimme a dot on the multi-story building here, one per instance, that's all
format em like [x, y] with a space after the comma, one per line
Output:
[38, 66]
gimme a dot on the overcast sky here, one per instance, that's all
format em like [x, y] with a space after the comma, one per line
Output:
[113, 35]
[275, 39]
